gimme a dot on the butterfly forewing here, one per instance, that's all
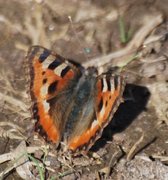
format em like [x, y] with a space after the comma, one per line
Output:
[50, 75]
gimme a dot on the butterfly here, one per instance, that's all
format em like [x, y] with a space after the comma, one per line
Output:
[71, 104]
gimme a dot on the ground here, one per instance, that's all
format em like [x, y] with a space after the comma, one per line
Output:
[131, 35]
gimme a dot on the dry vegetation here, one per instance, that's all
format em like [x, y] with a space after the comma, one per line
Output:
[132, 35]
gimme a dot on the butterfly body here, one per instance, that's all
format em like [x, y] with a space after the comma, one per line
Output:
[71, 104]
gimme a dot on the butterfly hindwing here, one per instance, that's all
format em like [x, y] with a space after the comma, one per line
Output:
[108, 92]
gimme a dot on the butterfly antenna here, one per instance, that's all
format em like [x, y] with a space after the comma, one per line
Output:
[77, 38]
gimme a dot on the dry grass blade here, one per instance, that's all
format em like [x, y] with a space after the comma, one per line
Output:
[15, 132]
[132, 47]
[36, 31]
[5, 157]
[9, 156]
[23, 164]
[15, 126]
[11, 135]
[19, 161]
[14, 102]
[15, 105]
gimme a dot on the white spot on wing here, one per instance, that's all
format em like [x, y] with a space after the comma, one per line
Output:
[119, 81]
[47, 61]
[59, 69]
[112, 84]
[46, 106]
[94, 123]
[44, 90]
[102, 112]
[105, 87]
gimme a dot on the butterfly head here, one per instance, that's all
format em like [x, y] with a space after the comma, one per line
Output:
[91, 71]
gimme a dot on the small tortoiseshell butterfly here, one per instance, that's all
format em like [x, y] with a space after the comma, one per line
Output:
[71, 104]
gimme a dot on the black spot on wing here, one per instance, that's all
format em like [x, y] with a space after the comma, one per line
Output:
[116, 79]
[44, 81]
[52, 87]
[64, 71]
[102, 85]
[108, 84]
[54, 64]
[106, 103]
[44, 55]
[100, 105]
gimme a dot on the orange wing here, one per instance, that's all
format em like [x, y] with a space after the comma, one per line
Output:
[50, 76]
[108, 97]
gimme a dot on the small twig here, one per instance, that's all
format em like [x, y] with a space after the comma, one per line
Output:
[140, 144]
[112, 162]
[161, 158]
[132, 47]
[65, 173]
[115, 157]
